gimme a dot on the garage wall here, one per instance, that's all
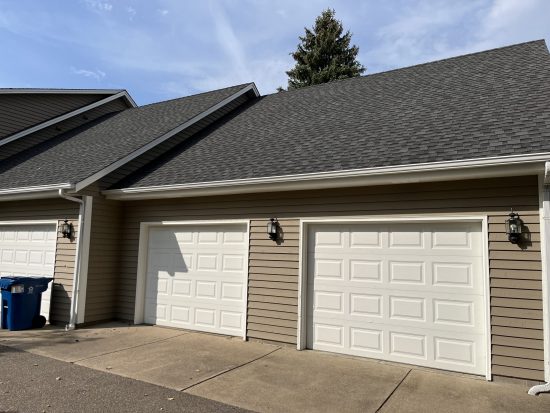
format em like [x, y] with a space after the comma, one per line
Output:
[103, 263]
[516, 304]
[52, 209]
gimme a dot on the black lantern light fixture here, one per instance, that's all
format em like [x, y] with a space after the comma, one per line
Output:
[273, 228]
[67, 229]
[514, 227]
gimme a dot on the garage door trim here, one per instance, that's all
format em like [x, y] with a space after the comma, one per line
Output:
[303, 270]
[144, 230]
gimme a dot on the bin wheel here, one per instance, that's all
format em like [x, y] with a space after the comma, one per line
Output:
[39, 321]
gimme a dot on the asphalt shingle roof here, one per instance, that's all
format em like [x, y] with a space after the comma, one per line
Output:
[486, 104]
[80, 153]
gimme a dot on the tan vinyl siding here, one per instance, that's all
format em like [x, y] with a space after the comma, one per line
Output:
[22, 111]
[52, 209]
[103, 261]
[43, 135]
[515, 274]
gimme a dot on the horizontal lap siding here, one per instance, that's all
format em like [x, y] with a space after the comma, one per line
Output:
[515, 274]
[272, 291]
[52, 209]
[103, 262]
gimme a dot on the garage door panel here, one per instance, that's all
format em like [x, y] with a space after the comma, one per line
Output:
[415, 294]
[29, 251]
[197, 278]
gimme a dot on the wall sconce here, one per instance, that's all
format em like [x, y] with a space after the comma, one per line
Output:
[67, 229]
[514, 227]
[273, 228]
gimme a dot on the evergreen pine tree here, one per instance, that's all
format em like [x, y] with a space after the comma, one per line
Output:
[324, 54]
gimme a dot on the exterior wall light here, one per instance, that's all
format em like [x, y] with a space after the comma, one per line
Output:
[514, 227]
[67, 229]
[273, 228]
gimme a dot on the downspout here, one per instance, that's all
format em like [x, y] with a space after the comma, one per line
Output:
[76, 275]
[544, 208]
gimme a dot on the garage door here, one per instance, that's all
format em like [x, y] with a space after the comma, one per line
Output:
[411, 293]
[29, 251]
[196, 278]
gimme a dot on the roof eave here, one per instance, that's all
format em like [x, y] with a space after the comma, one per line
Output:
[32, 192]
[515, 165]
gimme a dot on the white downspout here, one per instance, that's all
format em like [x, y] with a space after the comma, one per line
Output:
[544, 208]
[76, 275]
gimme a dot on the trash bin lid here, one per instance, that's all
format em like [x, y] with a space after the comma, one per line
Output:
[7, 282]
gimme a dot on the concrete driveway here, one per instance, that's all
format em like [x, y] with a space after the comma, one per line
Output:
[269, 378]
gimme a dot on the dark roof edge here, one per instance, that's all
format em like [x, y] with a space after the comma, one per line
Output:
[249, 87]
[413, 66]
[60, 91]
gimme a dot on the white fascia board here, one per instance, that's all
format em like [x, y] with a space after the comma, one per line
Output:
[32, 192]
[100, 174]
[514, 165]
[69, 115]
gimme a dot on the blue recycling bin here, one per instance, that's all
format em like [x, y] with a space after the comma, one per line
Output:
[21, 297]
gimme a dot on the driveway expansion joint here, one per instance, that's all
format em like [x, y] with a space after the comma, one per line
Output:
[128, 348]
[228, 370]
[394, 390]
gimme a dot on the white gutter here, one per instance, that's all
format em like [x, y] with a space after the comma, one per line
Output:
[513, 165]
[115, 165]
[76, 278]
[32, 192]
[69, 115]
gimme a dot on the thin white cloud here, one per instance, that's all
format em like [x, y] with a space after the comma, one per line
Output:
[131, 12]
[162, 12]
[97, 74]
[98, 6]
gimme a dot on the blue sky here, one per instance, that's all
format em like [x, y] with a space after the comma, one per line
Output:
[160, 49]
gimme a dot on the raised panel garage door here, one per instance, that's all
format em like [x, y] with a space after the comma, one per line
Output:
[196, 278]
[29, 250]
[411, 293]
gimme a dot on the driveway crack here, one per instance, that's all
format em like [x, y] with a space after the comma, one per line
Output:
[394, 390]
[128, 348]
[229, 369]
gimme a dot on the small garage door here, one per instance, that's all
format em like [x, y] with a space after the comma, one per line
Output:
[29, 251]
[196, 278]
[411, 293]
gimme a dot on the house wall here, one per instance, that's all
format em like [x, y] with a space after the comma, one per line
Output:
[103, 263]
[21, 111]
[52, 209]
[515, 274]
[43, 135]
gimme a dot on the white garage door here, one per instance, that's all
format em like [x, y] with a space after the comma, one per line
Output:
[196, 278]
[411, 293]
[29, 251]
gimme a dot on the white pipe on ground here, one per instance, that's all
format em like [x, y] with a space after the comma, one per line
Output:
[539, 388]
[76, 275]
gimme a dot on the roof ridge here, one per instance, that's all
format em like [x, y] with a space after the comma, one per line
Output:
[409, 67]
[240, 86]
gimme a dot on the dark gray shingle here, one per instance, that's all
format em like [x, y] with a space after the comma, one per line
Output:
[480, 105]
[78, 154]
